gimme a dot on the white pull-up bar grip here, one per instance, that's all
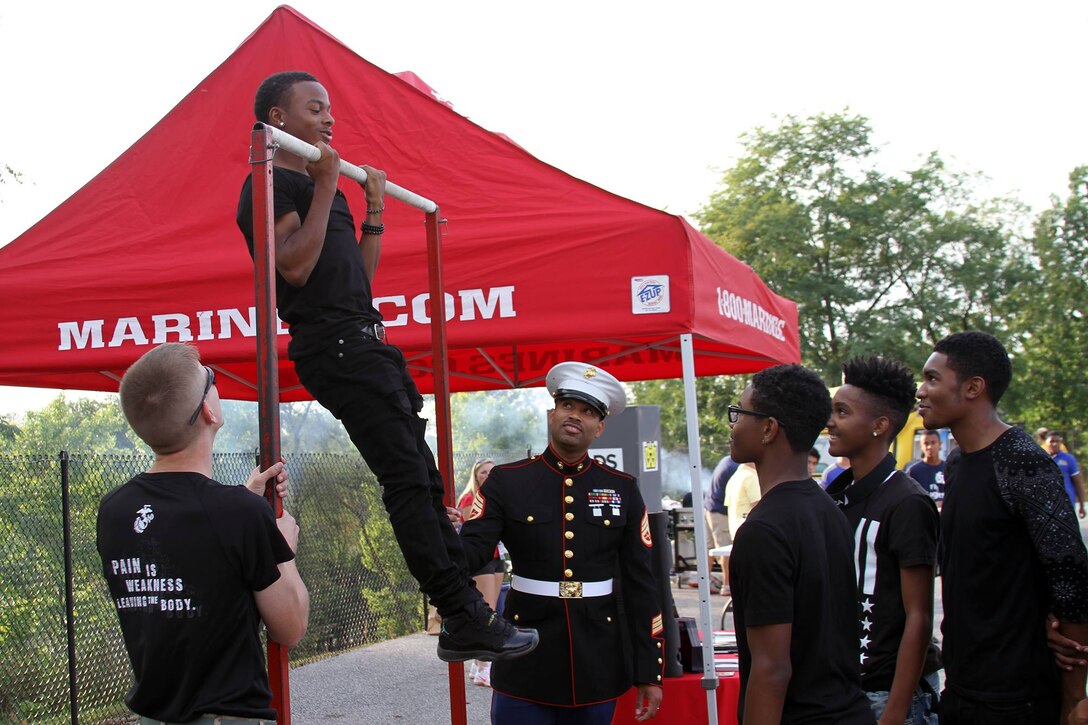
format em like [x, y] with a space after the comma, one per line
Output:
[311, 153]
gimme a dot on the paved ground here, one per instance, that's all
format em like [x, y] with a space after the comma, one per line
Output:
[401, 681]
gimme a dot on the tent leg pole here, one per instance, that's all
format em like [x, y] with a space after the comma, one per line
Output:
[710, 676]
[268, 381]
[440, 368]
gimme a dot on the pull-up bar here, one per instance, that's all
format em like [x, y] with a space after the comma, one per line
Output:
[311, 153]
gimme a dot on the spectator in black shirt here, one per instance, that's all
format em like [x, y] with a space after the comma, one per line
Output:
[895, 535]
[1011, 548]
[791, 573]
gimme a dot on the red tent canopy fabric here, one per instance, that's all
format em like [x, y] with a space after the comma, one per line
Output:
[539, 266]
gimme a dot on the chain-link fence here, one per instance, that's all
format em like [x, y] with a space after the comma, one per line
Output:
[360, 589]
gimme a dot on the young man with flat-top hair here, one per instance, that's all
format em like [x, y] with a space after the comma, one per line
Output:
[895, 541]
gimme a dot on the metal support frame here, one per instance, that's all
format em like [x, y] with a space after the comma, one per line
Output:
[69, 591]
[268, 379]
[439, 364]
[710, 676]
[264, 141]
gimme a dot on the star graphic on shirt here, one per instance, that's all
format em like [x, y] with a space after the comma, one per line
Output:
[864, 657]
[867, 605]
[865, 642]
[866, 624]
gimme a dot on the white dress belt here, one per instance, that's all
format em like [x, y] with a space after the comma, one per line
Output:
[562, 590]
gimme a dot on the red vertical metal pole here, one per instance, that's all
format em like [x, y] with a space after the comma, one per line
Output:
[439, 365]
[268, 381]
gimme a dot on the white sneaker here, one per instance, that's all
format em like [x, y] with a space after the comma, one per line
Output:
[483, 675]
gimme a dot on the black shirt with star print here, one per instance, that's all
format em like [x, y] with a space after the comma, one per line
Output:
[895, 527]
[1011, 551]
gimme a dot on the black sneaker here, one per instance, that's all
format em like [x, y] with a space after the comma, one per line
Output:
[477, 633]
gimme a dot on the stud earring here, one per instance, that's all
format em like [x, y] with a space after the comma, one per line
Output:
[282, 124]
[874, 434]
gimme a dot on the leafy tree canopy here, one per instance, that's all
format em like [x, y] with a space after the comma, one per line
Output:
[878, 263]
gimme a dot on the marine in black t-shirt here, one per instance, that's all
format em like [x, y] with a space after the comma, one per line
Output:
[182, 555]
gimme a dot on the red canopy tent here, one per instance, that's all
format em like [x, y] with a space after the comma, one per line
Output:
[539, 266]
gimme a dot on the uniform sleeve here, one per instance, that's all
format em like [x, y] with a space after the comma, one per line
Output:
[761, 571]
[482, 529]
[1038, 497]
[640, 596]
[912, 531]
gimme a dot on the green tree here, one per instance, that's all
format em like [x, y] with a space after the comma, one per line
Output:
[8, 429]
[712, 396]
[80, 425]
[1052, 320]
[877, 263]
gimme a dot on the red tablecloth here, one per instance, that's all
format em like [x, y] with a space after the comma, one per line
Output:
[683, 702]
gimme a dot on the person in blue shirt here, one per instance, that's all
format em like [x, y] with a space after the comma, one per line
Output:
[832, 472]
[1074, 483]
[929, 471]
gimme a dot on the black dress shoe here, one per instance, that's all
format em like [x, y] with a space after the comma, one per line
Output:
[477, 633]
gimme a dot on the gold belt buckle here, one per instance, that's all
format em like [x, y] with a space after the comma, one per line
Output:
[570, 590]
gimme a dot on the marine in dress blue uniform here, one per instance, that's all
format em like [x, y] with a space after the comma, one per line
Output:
[580, 544]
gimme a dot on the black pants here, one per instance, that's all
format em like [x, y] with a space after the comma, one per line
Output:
[366, 385]
[958, 710]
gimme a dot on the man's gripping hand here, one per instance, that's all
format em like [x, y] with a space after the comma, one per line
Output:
[258, 480]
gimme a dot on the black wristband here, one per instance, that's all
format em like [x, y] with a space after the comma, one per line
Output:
[374, 229]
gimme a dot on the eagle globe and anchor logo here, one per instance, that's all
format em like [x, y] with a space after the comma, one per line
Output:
[144, 516]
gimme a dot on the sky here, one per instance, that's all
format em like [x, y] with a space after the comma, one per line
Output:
[646, 100]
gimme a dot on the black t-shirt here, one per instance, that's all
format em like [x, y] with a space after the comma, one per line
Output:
[1011, 551]
[182, 556]
[895, 527]
[791, 564]
[336, 299]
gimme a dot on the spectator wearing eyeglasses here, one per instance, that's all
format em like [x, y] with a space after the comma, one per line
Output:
[791, 572]
[194, 566]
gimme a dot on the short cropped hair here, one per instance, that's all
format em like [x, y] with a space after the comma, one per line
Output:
[274, 91]
[928, 432]
[980, 354]
[158, 394]
[797, 398]
[888, 385]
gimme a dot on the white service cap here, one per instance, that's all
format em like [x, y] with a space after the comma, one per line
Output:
[587, 383]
